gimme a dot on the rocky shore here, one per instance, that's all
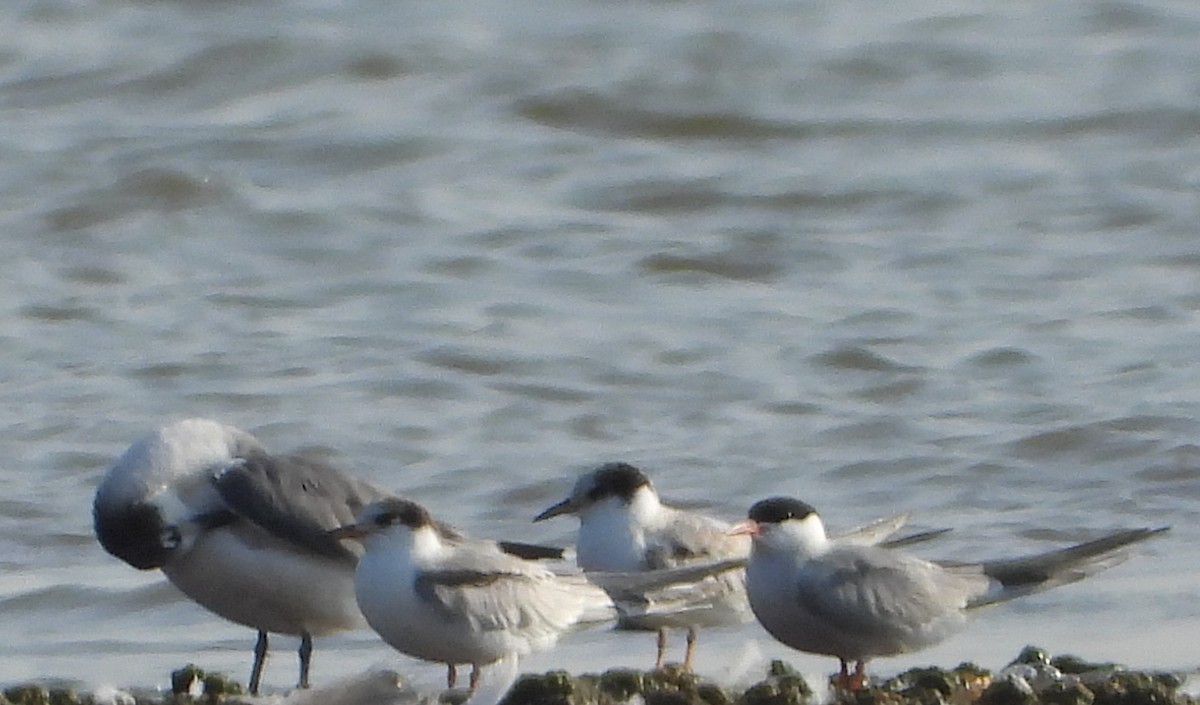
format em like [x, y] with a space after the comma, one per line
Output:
[1033, 678]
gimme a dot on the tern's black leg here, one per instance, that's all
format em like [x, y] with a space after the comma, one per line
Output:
[260, 658]
[842, 680]
[306, 649]
[451, 675]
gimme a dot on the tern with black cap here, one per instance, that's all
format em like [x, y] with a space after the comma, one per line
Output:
[859, 602]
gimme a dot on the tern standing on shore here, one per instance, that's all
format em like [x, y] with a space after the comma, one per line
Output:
[625, 528]
[859, 602]
[459, 600]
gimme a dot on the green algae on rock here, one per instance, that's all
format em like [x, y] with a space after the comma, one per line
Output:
[782, 686]
[552, 688]
[37, 695]
[1033, 678]
[200, 686]
[669, 686]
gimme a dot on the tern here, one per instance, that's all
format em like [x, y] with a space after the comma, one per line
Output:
[625, 528]
[456, 600]
[857, 602]
[240, 531]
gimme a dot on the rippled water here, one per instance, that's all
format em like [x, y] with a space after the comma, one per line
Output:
[923, 256]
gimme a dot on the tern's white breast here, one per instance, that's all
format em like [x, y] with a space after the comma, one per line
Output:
[421, 625]
[610, 539]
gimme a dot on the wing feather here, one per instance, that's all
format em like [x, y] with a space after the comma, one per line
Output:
[883, 596]
[687, 537]
[296, 499]
[505, 596]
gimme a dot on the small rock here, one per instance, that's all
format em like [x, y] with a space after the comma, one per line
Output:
[188, 680]
[1076, 666]
[218, 685]
[1067, 693]
[712, 694]
[1008, 690]
[620, 684]
[1129, 688]
[27, 695]
[1033, 656]
[553, 688]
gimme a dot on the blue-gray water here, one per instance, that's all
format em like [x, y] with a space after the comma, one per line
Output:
[938, 257]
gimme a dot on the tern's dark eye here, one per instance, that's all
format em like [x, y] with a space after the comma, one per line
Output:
[387, 518]
[777, 509]
[170, 537]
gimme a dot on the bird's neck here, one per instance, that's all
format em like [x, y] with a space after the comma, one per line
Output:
[414, 547]
[808, 536]
[644, 507]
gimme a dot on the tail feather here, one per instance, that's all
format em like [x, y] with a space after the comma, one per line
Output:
[881, 532]
[1015, 577]
[595, 604]
[911, 539]
[637, 582]
[875, 532]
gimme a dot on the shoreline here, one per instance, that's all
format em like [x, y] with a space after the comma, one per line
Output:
[1034, 677]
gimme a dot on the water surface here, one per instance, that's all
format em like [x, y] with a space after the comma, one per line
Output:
[928, 257]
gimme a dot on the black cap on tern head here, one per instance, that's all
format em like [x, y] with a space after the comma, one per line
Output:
[396, 510]
[616, 480]
[620, 480]
[778, 509]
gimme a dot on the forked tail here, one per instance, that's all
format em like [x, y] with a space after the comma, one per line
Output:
[1021, 576]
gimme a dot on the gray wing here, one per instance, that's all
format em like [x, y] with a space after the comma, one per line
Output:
[689, 538]
[881, 531]
[882, 595]
[296, 499]
[873, 533]
[495, 592]
[636, 582]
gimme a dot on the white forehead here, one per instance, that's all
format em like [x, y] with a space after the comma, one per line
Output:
[585, 484]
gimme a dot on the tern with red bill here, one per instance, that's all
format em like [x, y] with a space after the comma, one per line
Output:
[859, 602]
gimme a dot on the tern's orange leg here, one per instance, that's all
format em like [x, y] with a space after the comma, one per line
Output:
[690, 654]
[451, 675]
[859, 680]
[662, 648]
[845, 680]
[841, 680]
[475, 673]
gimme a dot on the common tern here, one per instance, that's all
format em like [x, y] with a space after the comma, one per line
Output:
[456, 600]
[625, 528]
[857, 602]
[242, 532]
